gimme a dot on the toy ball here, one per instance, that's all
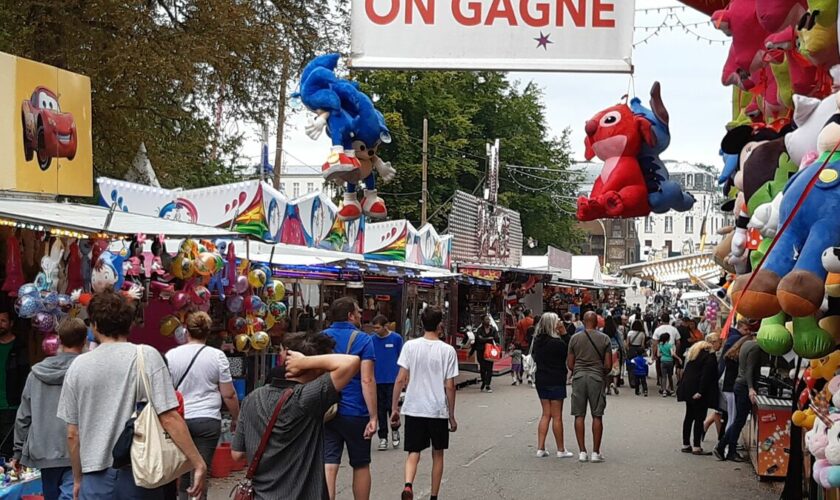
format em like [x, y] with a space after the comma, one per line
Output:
[261, 311]
[64, 301]
[270, 322]
[29, 289]
[257, 278]
[258, 324]
[205, 264]
[277, 291]
[181, 335]
[168, 325]
[278, 309]
[50, 344]
[200, 295]
[241, 285]
[180, 300]
[242, 342]
[26, 306]
[260, 340]
[51, 301]
[43, 321]
[234, 303]
[238, 325]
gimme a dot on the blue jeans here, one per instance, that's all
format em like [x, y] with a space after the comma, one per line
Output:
[57, 483]
[115, 484]
[743, 407]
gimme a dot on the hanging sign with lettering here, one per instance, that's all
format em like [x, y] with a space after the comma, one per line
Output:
[507, 35]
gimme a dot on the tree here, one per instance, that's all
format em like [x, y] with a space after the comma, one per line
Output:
[466, 110]
[178, 75]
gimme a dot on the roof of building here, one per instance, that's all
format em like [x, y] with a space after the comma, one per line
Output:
[301, 170]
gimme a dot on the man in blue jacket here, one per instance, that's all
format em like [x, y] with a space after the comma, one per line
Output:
[356, 421]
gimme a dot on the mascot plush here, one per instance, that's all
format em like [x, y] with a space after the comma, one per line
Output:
[775, 15]
[818, 33]
[356, 129]
[663, 193]
[615, 135]
[739, 21]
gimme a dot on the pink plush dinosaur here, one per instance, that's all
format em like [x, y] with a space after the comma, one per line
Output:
[746, 53]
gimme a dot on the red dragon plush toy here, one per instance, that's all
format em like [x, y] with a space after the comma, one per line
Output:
[615, 136]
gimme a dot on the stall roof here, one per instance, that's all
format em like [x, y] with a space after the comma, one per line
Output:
[674, 269]
[93, 219]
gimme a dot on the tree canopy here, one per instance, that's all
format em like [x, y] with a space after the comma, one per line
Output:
[466, 110]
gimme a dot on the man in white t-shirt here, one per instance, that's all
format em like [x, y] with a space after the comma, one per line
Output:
[664, 327]
[429, 405]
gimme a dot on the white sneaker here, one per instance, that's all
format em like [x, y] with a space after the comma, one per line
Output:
[383, 444]
[565, 454]
[489, 390]
[583, 457]
[542, 453]
[596, 458]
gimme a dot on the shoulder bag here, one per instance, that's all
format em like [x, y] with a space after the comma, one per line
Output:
[597, 351]
[181, 380]
[245, 489]
[332, 411]
[155, 458]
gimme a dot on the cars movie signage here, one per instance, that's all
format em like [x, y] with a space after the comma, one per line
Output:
[45, 129]
[507, 35]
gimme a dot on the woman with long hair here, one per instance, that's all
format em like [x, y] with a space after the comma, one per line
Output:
[611, 329]
[550, 350]
[698, 389]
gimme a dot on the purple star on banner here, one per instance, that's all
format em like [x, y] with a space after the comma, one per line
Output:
[543, 41]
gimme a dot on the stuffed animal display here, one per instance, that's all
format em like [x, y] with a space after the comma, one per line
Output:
[633, 181]
[356, 129]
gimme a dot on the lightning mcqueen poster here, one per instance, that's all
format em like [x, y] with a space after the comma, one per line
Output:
[507, 35]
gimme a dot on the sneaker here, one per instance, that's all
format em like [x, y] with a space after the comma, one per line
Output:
[615, 390]
[718, 454]
[583, 457]
[489, 390]
[565, 454]
[645, 394]
[395, 439]
[596, 458]
[514, 382]
[407, 494]
[663, 394]
[383, 444]
[542, 453]
[737, 458]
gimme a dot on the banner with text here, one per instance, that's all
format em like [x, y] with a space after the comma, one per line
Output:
[507, 35]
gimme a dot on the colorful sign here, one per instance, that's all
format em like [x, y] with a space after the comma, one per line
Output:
[386, 240]
[45, 129]
[522, 35]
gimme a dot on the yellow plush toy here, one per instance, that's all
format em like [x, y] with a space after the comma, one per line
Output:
[804, 418]
[825, 367]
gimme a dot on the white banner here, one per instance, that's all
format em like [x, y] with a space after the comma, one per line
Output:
[507, 35]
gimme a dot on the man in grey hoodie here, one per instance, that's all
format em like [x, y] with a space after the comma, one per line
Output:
[40, 436]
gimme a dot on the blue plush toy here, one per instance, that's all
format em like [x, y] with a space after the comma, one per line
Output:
[356, 129]
[663, 193]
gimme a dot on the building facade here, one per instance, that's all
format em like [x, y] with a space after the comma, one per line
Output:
[300, 180]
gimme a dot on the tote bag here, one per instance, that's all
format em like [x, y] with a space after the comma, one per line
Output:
[492, 352]
[155, 459]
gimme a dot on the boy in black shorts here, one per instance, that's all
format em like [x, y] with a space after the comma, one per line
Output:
[429, 405]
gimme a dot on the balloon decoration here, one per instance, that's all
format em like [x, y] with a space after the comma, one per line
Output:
[50, 344]
[168, 325]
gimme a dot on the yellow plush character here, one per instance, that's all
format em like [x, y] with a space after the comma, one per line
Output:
[825, 367]
[804, 418]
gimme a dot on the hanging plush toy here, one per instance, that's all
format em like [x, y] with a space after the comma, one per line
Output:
[663, 193]
[818, 33]
[47, 279]
[746, 53]
[810, 114]
[356, 129]
[775, 15]
[107, 273]
[615, 136]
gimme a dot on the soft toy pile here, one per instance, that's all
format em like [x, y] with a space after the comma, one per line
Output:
[634, 181]
[356, 129]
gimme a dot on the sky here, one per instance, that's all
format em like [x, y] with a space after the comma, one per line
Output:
[688, 69]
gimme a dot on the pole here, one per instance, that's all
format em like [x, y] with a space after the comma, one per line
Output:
[264, 153]
[424, 200]
[604, 232]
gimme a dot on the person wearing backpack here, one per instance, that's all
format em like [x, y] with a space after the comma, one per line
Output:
[356, 421]
[308, 382]
[202, 375]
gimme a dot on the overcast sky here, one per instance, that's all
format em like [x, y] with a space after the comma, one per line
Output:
[689, 71]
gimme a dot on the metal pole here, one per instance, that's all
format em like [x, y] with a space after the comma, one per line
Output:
[604, 230]
[424, 200]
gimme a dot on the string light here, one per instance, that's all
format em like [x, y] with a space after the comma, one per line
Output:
[671, 21]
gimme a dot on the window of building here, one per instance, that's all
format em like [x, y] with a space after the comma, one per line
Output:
[296, 189]
[670, 246]
[669, 224]
[689, 224]
[648, 243]
[310, 186]
[648, 225]
[689, 180]
[616, 229]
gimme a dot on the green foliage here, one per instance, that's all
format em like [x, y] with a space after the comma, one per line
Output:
[466, 110]
[175, 74]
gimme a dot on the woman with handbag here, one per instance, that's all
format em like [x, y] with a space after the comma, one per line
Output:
[484, 336]
[550, 350]
[281, 425]
[202, 374]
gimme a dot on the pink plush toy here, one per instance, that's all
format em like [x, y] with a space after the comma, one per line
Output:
[746, 53]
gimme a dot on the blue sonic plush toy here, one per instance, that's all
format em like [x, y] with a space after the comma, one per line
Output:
[356, 129]
[663, 193]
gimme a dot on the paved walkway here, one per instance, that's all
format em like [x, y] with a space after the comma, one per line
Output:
[492, 456]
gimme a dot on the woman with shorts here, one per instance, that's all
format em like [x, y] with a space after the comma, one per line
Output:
[550, 350]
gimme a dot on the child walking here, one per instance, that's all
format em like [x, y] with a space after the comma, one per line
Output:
[640, 373]
[516, 370]
[666, 362]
